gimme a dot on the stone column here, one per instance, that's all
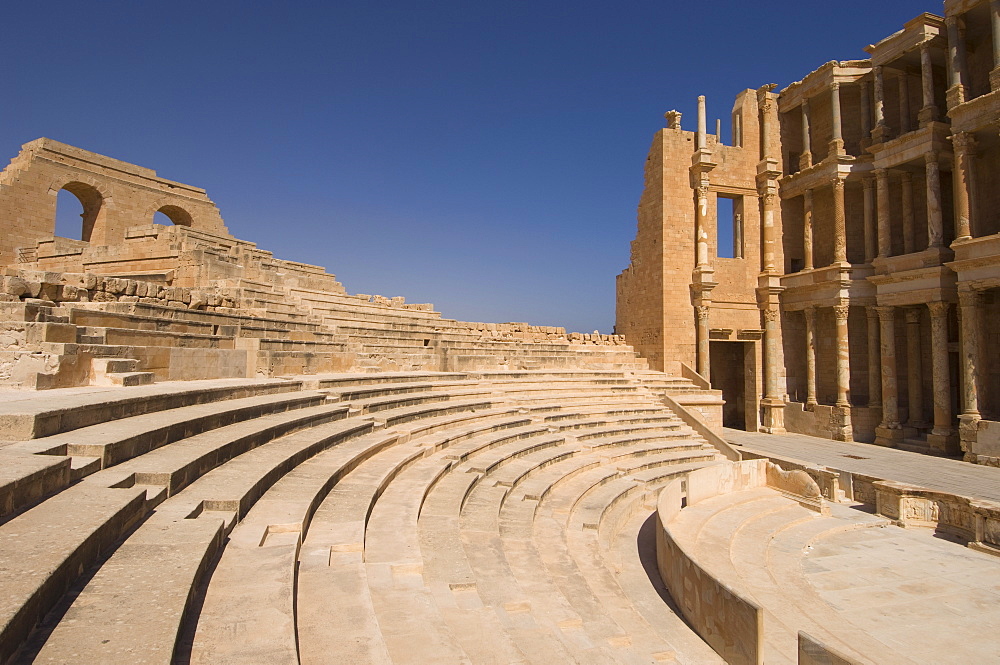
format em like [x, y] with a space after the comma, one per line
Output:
[773, 403]
[839, 222]
[770, 200]
[942, 436]
[701, 215]
[956, 62]
[909, 243]
[837, 143]
[964, 144]
[866, 110]
[700, 137]
[935, 223]
[928, 112]
[995, 24]
[904, 103]
[884, 219]
[704, 365]
[842, 412]
[969, 314]
[738, 236]
[879, 133]
[805, 161]
[888, 432]
[871, 242]
[811, 402]
[807, 229]
[874, 360]
[914, 375]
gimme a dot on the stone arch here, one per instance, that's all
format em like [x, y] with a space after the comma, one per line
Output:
[94, 202]
[179, 216]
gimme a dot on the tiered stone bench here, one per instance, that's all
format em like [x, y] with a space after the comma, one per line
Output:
[382, 518]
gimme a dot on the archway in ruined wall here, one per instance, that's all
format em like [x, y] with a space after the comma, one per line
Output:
[174, 214]
[91, 200]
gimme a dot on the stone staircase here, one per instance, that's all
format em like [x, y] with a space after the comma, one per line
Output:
[396, 517]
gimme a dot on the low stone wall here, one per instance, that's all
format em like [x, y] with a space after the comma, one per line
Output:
[730, 623]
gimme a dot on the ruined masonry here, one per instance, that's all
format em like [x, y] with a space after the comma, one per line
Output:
[210, 455]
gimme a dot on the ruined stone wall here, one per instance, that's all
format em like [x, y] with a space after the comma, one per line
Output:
[115, 195]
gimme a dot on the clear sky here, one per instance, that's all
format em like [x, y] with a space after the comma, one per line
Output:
[486, 157]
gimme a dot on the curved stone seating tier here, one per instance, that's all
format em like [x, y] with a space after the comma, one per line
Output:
[406, 517]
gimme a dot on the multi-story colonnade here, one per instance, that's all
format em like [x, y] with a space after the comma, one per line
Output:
[836, 270]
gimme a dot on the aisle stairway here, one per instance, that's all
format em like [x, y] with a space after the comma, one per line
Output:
[403, 517]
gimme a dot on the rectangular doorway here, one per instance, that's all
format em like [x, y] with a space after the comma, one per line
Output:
[731, 374]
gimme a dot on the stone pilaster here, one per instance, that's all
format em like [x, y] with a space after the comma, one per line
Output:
[810, 314]
[842, 411]
[874, 360]
[914, 375]
[888, 433]
[935, 219]
[942, 437]
[871, 232]
[964, 144]
[884, 218]
[909, 242]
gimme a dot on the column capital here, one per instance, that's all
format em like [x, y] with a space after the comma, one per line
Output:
[838, 182]
[963, 142]
[886, 312]
[938, 308]
[701, 311]
[968, 298]
[770, 314]
[868, 182]
[881, 173]
[835, 85]
[841, 311]
[871, 313]
[805, 105]
[931, 158]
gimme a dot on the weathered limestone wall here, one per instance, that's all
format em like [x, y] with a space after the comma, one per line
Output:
[115, 195]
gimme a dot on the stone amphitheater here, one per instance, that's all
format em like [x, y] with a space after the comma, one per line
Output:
[210, 455]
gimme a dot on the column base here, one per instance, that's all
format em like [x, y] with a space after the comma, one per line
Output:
[888, 436]
[927, 115]
[773, 416]
[805, 161]
[968, 432]
[955, 95]
[944, 440]
[880, 134]
[837, 147]
[840, 423]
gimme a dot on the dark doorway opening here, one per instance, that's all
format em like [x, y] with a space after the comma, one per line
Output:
[729, 374]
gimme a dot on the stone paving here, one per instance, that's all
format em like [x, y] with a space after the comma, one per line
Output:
[935, 473]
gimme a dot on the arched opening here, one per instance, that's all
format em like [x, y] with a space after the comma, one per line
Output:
[77, 208]
[172, 215]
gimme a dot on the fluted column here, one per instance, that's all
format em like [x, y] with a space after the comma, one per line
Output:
[964, 144]
[935, 221]
[770, 202]
[909, 242]
[807, 229]
[837, 143]
[890, 399]
[701, 311]
[969, 314]
[928, 112]
[914, 375]
[940, 373]
[839, 222]
[810, 313]
[874, 360]
[884, 219]
[805, 161]
[871, 241]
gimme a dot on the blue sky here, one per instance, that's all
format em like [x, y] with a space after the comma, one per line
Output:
[486, 157]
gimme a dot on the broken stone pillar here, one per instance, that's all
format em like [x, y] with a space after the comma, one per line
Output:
[880, 132]
[700, 138]
[673, 120]
[805, 161]
[807, 229]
